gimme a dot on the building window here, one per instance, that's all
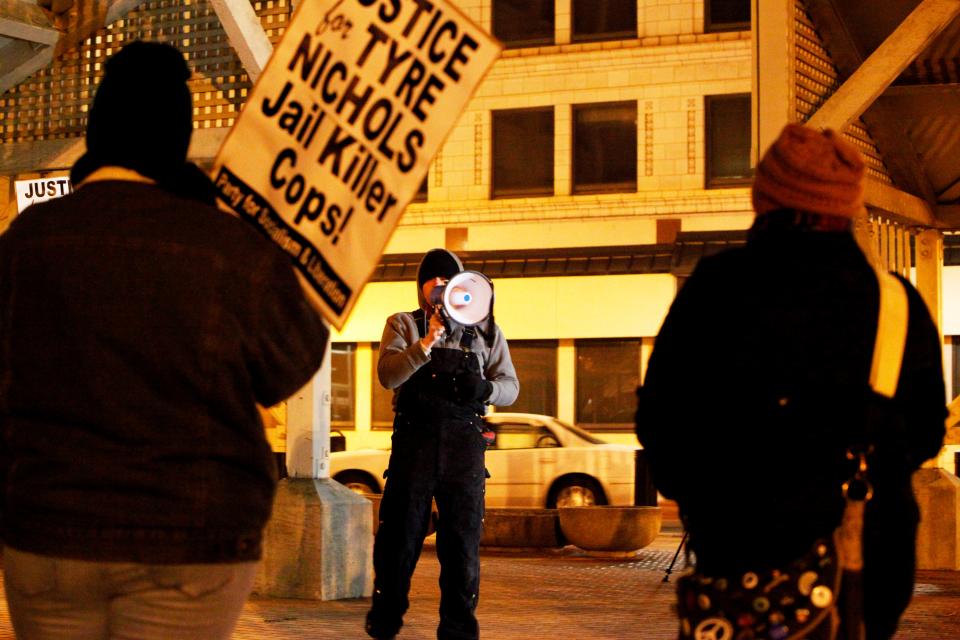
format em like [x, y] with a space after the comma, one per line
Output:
[381, 410]
[728, 136]
[421, 194]
[608, 373]
[604, 20]
[536, 365]
[726, 15]
[523, 23]
[343, 364]
[605, 147]
[523, 152]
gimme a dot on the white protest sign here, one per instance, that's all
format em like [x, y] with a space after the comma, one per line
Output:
[339, 131]
[40, 190]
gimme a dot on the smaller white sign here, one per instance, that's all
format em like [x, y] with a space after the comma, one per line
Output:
[32, 191]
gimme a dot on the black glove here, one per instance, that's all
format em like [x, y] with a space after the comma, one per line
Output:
[471, 387]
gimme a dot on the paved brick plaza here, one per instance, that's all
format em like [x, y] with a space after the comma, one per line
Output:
[561, 595]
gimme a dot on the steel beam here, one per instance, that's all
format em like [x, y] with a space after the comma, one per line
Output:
[886, 63]
[245, 33]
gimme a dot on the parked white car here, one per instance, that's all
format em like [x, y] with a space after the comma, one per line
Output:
[535, 461]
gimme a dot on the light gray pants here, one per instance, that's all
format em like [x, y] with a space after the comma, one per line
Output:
[56, 598]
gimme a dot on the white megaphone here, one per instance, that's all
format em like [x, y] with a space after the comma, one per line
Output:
[465, 299]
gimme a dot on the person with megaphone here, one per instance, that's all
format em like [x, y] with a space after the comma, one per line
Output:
[446, 362]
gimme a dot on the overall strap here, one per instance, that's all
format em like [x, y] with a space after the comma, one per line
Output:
[467, 338]
[891, 338]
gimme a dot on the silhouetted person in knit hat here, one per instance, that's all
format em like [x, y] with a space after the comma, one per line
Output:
[749, 435]
[140, 328]
[443, 380]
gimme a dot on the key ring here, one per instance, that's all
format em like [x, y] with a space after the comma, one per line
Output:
[860, 477]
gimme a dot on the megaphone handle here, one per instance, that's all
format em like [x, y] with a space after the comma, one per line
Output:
[440, 311]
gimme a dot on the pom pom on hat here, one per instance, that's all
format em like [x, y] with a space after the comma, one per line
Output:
[810, 171]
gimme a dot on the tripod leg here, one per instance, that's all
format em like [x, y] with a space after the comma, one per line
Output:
[683, 541]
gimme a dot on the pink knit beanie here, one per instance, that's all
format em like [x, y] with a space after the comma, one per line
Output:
[809, 171]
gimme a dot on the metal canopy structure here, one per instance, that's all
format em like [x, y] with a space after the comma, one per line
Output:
[34, 32]
[899, 63]
[27, 41]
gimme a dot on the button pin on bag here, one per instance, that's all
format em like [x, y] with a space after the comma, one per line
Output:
[805, 582]
[713, 629]
[745, 620]
[779, 632]
[821, 596]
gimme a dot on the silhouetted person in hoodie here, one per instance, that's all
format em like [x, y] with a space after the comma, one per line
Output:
[140, 327]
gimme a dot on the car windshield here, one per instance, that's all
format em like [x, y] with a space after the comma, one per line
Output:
[589, 437]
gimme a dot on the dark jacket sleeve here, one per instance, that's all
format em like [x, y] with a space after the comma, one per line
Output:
[289, 337]
[921, 389]
[663, 419]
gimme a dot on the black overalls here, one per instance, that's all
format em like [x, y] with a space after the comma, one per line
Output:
[438, 452]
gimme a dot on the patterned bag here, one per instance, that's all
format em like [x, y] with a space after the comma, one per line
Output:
[795, 601]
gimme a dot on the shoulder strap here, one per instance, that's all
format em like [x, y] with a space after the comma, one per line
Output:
[891, 335]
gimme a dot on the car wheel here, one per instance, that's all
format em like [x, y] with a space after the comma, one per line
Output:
[579, 491]
[357, 481]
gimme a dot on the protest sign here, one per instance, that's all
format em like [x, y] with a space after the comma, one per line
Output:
[40, 190]
[339, 131]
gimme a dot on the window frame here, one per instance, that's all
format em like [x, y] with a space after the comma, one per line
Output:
[378, 425]
[538, 192]
[602, 37]
[710, 181]
[553, 345]
[574, 189]
[423, 191]
[710, 27]
[341, 425]
[600, 427]
[542, 41]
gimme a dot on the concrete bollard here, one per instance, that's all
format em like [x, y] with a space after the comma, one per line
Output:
[938, 536]
[319, 543]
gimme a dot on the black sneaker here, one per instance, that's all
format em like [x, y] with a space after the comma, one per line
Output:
[379, 631]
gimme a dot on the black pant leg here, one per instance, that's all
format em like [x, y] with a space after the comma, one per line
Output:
[460, 495]
[889, 565]
[404, 519]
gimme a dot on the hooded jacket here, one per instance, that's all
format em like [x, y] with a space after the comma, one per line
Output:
[401, 354]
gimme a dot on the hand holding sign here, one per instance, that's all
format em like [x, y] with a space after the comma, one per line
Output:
[340, 129]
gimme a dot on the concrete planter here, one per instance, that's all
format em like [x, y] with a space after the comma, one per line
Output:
[521, 528]
[607, 528]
